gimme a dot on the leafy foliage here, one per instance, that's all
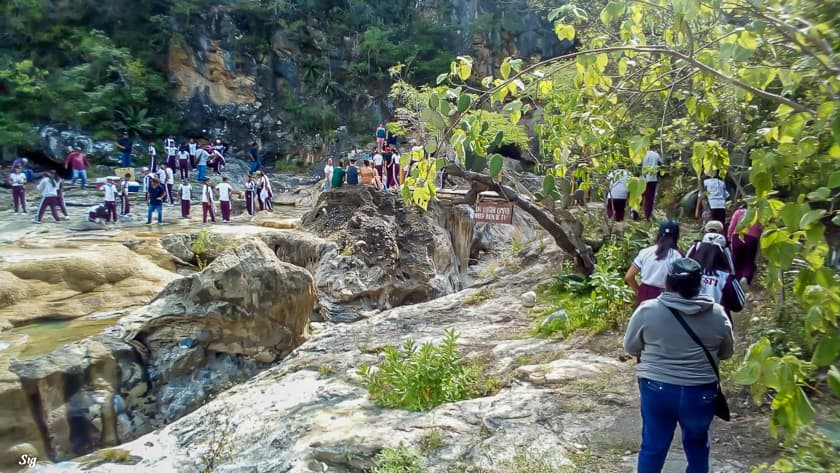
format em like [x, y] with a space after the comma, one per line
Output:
[400, 459]
[420, 378]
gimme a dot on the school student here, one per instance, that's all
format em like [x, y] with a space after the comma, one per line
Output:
[184, 162]
[224, 190]
[652, 263]
[49, 196]
[171, 150]
[125, 202]
[62, 206]
[650, 173]
[718, 279]
[250, 194]
[110, 200]
[185, 192]
[17, 179]
[207, 201]
[152, 157]
[617, 194]
[155, 199]
[716, 194]
[264, 185]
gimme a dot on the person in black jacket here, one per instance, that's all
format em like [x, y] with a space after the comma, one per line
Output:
[155, 200]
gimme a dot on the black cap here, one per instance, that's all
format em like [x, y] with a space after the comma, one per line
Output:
[669, 227]
[685, 269]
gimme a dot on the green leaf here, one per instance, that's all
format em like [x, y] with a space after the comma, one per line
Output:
[504, 69]
[494, 165]
[548, 183]
[464, 69]
[823, 193]
[836, 220]
[441, 78]
[611, 12]
[434, 101]
[638, 148]
[811, 217]
[834, 380]
[464, 102]
[834, 180]
[545, 87]
[748, 373]
[747, 40]
[827, 350]
[562, 31]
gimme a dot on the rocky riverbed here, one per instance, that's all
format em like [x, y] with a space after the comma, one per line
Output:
[257, 339]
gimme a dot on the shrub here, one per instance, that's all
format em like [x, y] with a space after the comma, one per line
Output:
[479, 296]
[419, 379]
[812, 452]
[400, 459]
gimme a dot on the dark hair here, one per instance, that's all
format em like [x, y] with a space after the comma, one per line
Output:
[711, 257]
[128, 174]
[686, 287]
[341, 163]
[664, 244]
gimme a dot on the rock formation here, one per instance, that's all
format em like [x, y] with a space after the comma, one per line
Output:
[202, 332]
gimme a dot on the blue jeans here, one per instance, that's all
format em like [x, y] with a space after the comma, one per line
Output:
[663, 405]
[80, 174]
[254, 166]
[202, 172]
[155, 208]
[125, 160]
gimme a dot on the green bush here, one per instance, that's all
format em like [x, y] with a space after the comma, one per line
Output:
[814, 451]
[420, 378]
[400, 459]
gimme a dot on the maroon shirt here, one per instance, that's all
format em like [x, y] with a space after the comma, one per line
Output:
[76, 160]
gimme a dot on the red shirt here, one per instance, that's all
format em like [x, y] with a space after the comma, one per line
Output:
[76, 160]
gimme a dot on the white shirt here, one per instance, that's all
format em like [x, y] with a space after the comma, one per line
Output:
[110, 192]
[183, 155]
[17, 178]
[161, 176]
[206, 193]
[224, 191]
[169, 144]
[152, 150]
[193, 148]
[650, 166]
[48, 188]
[717, 193]
[328, 172]
[377, 159]
[618, 184]
[652, 270]
[202, 157]
[170, 176]
[186, 191]
[146, 184]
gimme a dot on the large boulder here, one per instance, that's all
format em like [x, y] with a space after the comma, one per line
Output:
[56, 142]
[202, 333]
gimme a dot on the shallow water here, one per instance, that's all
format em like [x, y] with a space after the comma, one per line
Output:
[40, 338]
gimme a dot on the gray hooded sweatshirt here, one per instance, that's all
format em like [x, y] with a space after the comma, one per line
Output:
[668, 354]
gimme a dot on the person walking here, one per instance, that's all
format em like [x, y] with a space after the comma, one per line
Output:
[110, 191]
[77, 162]
[264, 185]
[126, 146]
[328, 170]
[17, 181]
[393, 177]
[207, 207]
[125, 202]
[678, 382]
[250, 194]
[744, 246]
[48, 187]
[338, 173]
[652, 263]
[154, 199]
[184, 162]
[650, 173]
[719, 280]
[201, 158]
[254, 152]
[153, 164]
[62, 206]
[716, 194]
[617, 193]
[714, 234]
[185, 192]
[224, 189]
[192, 148]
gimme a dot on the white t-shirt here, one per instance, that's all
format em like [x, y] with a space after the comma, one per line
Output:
[110, 192]
[17, 178]
[377, 159]
[161, 175]
[650, 166]
[716, 190]
[618, 184]
[48, 187]
[206, 193]
[170, 176]
[193, 148]
[652, 270]
[185, 191]
[169, 144]
[152, 151]
[183, 155]
[328, 172]
[224, 191]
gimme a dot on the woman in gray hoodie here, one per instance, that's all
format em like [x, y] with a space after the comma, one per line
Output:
[676, 381]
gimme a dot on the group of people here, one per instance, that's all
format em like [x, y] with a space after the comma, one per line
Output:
[380, 170]
[682, 328]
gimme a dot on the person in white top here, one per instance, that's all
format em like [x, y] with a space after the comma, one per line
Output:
[167, 180]
[193, 149]
[152, 156]
[328, 169]
[201, 157]
[617, 194]
[378, 161]
[250, 194]
[49, 196]
[171, 150]
[185, 191]
[207, 207]
[653, 263]
[224, 190]
[265, 193]
[17, 180]
[110, 200]
[716, 194]
[184, 162]
[650, 173]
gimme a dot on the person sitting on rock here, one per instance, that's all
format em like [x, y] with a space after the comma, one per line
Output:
[352, 178]
[99, 214]
[338, 174]
[367, 173]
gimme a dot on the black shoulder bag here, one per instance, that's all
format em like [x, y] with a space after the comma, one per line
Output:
[721, 407]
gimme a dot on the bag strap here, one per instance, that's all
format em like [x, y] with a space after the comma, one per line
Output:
[696, 339]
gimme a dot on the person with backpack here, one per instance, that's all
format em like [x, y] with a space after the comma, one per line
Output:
[679, 338]
[719, 280]
[652, 263]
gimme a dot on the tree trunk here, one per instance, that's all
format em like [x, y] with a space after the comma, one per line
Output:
[567, 231]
